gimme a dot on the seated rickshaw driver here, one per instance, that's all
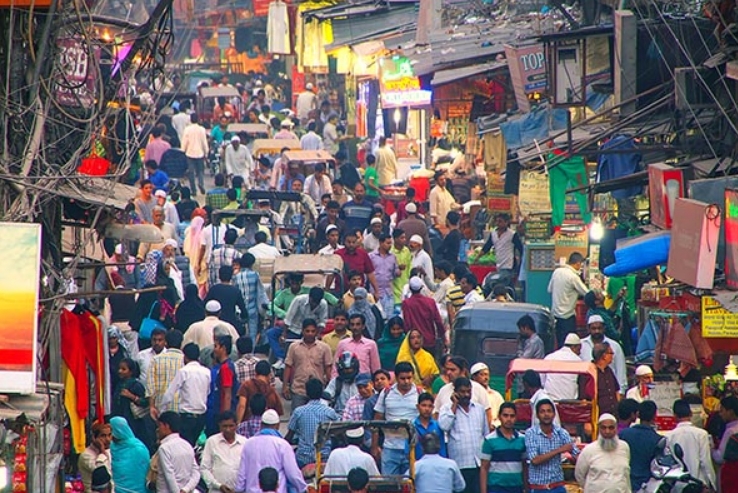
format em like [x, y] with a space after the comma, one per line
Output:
[302, 213]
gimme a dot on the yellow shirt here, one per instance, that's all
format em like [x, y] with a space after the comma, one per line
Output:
[332, 339]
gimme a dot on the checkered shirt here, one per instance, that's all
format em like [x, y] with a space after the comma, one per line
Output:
[163, 368]
[466, 431]
[537, 443]
[304, 423]
[252, 291]
[354, 409]
[222, 255]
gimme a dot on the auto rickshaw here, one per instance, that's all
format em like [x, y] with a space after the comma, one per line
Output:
[306, 160]
[208, 97]
[263, 147]
[335, 430]
[253, 130]
[571, 412]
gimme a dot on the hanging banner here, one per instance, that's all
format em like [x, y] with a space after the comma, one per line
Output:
[533, 193]
[527, 65]
[20, 265]
[398, 85]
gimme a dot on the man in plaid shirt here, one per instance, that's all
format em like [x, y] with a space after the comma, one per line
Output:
[355, 405]
[252, 291]
[223, 255]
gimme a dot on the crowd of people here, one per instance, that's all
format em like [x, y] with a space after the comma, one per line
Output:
[197, 402]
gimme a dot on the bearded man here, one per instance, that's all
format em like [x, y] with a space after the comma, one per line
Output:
[604, 465]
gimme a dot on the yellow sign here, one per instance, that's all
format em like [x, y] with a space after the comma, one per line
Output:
[716, 320]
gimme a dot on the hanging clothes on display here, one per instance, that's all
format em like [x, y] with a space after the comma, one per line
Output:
[278, 29]
[564, 173]
[615, 165]
[495, 151]
[512, 174]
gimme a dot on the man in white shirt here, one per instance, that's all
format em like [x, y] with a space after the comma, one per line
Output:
[421, 259]
[201, 333]
[604, 465]
[330, 134]
[158, 346]
[468, 285]
[331, 234]
[371, 239]
[311, 141]
[695, 443]
[212, 235]
[181, 119]
[195, 146]
[307, 101]
[171, 216]
[644, 376]
[238, 161]
[342, 460]
[96, 455]
[262, 249]
[596, 326]
[317, 184]
[192, 383]
[565, 287]
[562, 386]
[178, 470]
[456, 367]
[222, 456]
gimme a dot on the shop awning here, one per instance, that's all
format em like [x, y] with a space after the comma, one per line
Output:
[97, 191]
[377, 25]
[446, 76]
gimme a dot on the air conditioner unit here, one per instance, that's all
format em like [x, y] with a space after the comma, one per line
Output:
[690, 90]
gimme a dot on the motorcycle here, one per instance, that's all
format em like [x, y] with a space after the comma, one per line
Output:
[669, 473]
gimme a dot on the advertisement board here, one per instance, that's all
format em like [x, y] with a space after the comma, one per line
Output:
[527, 65]
[19, 281]
[398, 85]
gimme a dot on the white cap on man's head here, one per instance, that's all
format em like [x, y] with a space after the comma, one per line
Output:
[236, 138]
[309, 86]
[160, 193]
[606, 417]
[375, 220]
[593, 319]
[416, 284]
[170, 242]
[119, 249]
[330, 228]
[416, 239]
[270, 417]
[411, 208]
[477, 367]
[212, 306]
[572, 340]
[355, 432]
[643, 370]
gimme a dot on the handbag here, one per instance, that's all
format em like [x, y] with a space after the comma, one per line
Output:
[138, 411]
[148, 324]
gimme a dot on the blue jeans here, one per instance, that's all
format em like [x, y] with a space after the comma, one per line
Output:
[273, 336]
[394, 461]
[387, 302]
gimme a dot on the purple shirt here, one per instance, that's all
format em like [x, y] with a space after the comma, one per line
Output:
[156, 149]
[265, 450]
[385, 270]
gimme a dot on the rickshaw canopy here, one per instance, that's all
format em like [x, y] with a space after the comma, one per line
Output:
[521, 365]
[249, 128]
[309, 157]
[218, 92]
[274, 146]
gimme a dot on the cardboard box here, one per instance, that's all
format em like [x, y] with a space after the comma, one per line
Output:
[693, 248]
[665, 185]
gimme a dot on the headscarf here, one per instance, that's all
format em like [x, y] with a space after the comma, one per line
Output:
[191, 310]
[389, 346]
[363, 307]
[130, 458]
[423, 362]
[193, 237]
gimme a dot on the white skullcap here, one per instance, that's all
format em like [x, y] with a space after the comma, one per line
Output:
[375, 220]
[416, 239]
[416, 284]
[119, 249]
[212, 306]
[643, 370]
[236, 138]
[270, 417]
[607, 417]
[330, 228]
[411, 208]
[477, 367]
[572, 340]
[170, 242]
[355, 432]
[160, 193]
[593, 319]
[309, 86]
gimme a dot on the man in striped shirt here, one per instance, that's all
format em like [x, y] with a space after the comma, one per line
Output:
[503, 456]
[163, 368]
[252, 291]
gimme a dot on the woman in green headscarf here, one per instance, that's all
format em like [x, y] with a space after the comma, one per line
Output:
[389, 343]
[130, 458]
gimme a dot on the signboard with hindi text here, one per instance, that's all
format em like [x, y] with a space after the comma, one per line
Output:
[398, 85]
[568, 242]
[533, 193]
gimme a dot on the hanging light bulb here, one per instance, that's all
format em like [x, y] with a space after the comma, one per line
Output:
[596, 230]
[731, 372]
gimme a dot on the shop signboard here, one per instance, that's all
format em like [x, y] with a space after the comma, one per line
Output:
[527, 65]
[538, 230]
[75, 83]
[694, 238]
[717, 321]
[20, 265]
[569, 241]
[398, 85]
[533, 193]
